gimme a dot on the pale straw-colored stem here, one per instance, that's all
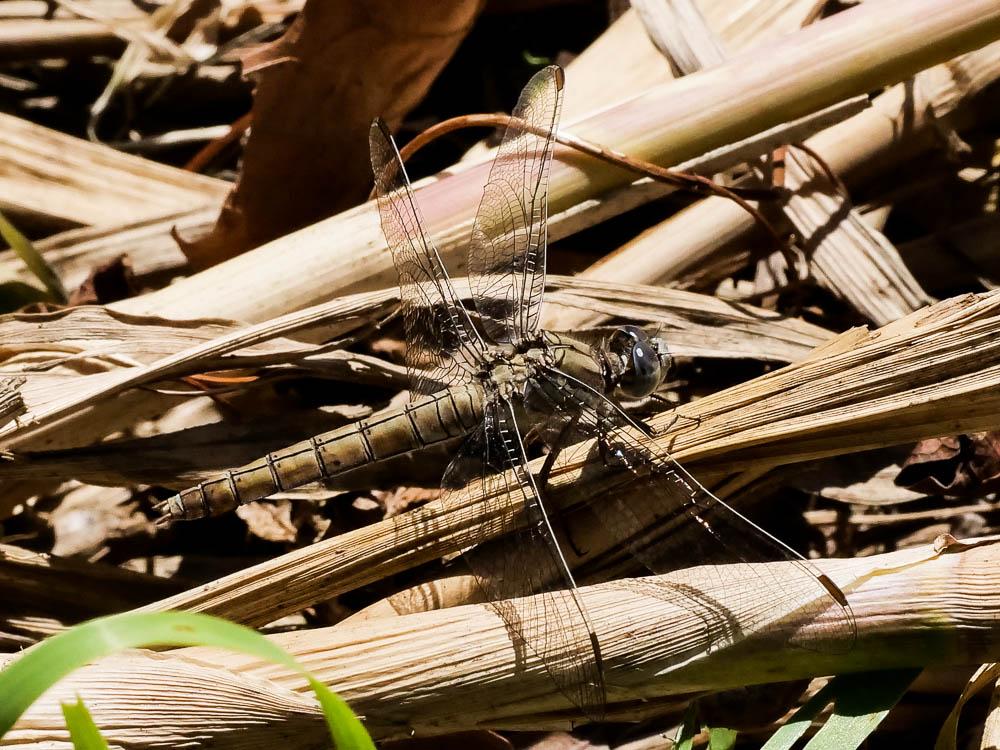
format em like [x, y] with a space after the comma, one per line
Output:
[454, 669]
[851, 53]
[899, 123]
[935, 372]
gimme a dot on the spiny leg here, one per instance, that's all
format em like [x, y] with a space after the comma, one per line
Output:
[555, 449]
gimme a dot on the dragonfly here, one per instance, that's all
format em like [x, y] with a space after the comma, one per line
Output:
[490, 376]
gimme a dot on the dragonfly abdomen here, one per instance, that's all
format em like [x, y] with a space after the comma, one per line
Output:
[435, 419]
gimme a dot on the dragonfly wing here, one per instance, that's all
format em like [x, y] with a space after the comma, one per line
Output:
[670, 523]
[523, 573]
[443, 348]
[507, 251]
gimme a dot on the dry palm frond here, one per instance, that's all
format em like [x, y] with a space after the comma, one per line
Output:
[932, 373]
[898, 123]
[668, 124]
[74, 359]
[451, 669]
[64, 180]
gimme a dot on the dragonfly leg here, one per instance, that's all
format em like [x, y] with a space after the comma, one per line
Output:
[555, 448]
[675, 417]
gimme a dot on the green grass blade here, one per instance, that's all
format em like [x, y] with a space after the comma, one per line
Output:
[33, 259]
[721, 739]
[796, 727]
[40, 667]
[82, 729]
[861, 702]
[16, 294]
[689, 728]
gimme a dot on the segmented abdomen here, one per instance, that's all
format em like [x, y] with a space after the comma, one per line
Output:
[431, 420]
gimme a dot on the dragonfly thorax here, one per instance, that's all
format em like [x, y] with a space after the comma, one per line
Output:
[511, 370]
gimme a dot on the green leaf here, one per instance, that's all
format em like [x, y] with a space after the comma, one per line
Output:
[33, 259]
[82, 729]
[721, 739]
[796, 727]
[16, 294]
[42, 666]
[860, 702]
[689, 728]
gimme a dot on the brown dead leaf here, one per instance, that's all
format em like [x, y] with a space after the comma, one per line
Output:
[108, 282]
[318, 87]
[271, 521]
[88, 518]
[959, 465]
[404, 498]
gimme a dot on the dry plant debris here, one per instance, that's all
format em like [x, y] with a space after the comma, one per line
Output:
[844, 394]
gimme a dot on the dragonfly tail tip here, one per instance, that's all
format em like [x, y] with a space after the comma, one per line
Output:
[164, 514]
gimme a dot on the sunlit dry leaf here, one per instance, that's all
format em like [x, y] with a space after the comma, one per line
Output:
[339, 65]
[271, 521]
[73, 358]
[403, 499]
[463, 672]
[88, 518]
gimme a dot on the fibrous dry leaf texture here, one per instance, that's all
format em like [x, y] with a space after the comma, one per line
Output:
[825, 394]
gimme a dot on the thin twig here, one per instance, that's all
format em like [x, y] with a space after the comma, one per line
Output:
[683, 180]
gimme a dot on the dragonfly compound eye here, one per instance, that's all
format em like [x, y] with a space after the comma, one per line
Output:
[640, 360]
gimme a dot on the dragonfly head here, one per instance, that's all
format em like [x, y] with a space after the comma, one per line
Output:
[639, 362]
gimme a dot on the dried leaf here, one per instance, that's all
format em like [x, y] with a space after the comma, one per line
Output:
[339, 65]
[89, 517]
[403, 499]
[959, 465]
[108, 282]
[271, 521]
[464, 672]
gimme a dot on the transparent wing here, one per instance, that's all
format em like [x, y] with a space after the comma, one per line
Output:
[553, 624]
[442, 346]
[669, 523]
[507, 252]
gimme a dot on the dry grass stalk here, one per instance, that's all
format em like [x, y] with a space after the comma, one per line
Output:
[452, 669]
[154, 256]
[91, 354]
[623, 62]
[843, 252]
[669, 124]
[37, 38]
[680, 33]
[934, 372]
[56, 178]
[133, 351]
[593, 211]
[874, 139]
[152, 252]
[29, 32]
